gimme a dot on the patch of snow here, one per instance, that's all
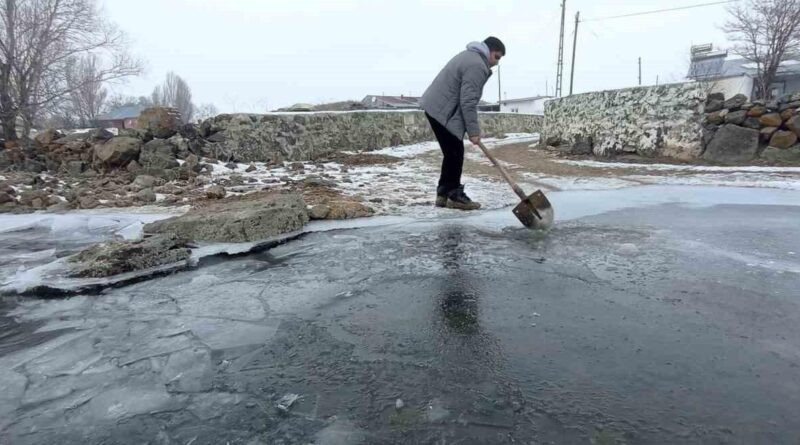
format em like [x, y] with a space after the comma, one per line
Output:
[408, 151]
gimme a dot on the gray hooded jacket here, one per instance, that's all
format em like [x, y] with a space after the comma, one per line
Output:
[452, 99]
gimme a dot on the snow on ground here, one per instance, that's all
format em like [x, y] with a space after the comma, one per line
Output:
[409, 187]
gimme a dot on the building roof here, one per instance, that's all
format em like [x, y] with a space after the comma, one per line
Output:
[121, 113]
[526, 99]
[718, 66]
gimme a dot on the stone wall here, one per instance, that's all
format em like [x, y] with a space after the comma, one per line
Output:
[302, 136]
[663, 120]
[737, 130]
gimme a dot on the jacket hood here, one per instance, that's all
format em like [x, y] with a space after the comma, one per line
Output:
[480, 48]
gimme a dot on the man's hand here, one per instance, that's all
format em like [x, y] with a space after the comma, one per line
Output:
[475, 140]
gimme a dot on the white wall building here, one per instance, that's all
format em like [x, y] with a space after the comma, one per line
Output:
[525, 105]
[735, 76]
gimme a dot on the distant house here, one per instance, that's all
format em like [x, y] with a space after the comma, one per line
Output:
[121, 117]
[391, 102]
[525, 105]
[735, 76]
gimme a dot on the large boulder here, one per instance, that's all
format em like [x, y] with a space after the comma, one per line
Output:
[732, 144]
[757, 111]
[118, 152]
[143, 182]
[782, 155]
[161, 122]
[709, 131]
[767, 132]
[216, 192]
[793, 124]
[736, 117]
[735, 102]
[789, 106]
[47, 137]
[252, 218]
[116, 257]
[158, 154]
[752, 122]
[144, 135]
[771, 120]
[783, 139]
[716, 118]
[715, 102]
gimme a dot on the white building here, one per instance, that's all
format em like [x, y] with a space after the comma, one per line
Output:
[735, 76]
[525, 105]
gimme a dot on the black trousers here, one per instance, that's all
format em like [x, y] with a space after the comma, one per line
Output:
[453, 162]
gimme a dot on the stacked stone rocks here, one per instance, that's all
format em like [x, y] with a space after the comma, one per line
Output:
[154, 150]
[83, 170]
[738, 130]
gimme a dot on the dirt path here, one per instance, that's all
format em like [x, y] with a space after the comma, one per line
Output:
[521, 158]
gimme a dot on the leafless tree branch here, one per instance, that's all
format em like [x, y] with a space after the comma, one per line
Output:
[54, 51]
[766, 33]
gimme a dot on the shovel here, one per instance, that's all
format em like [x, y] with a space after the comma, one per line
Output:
[534, 211]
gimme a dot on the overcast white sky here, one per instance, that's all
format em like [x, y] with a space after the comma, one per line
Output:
[254, 55]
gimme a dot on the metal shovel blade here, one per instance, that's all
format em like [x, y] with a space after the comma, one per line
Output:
[535, 212]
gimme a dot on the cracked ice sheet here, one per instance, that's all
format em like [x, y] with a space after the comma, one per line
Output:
[736, 179]
[758, 180]
[679, 167]
[57, 234]
[88, 223]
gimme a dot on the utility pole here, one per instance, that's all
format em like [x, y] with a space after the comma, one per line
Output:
[640, 71]
[574, 47]
[560, 68]
[499, 89]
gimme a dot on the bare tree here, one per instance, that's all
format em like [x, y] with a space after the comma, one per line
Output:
[206, 111]
[175, 92]
[120, 100]
[38, 40]
[766, 33]
[88, 93]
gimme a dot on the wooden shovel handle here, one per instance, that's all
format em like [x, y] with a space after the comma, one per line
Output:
[503, 172]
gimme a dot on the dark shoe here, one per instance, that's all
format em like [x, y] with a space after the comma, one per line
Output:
[441, 196]
[457, 199]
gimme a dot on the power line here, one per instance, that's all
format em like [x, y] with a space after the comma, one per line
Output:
[659, 11]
